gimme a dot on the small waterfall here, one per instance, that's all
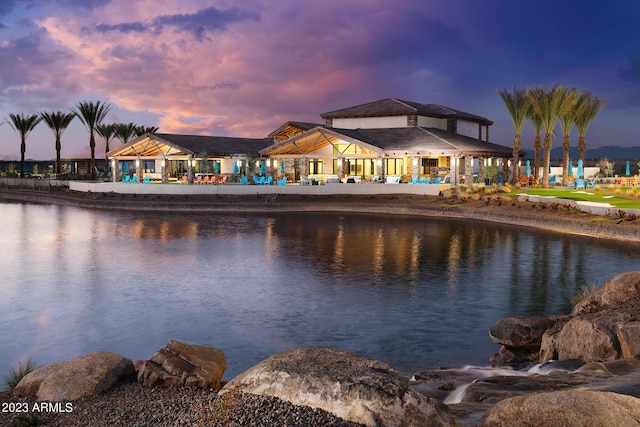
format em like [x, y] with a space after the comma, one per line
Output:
[457, 395]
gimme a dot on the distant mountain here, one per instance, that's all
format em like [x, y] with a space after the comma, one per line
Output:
[611, 152]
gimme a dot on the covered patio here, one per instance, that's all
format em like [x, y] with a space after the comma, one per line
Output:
[170, 157]
[409, 154]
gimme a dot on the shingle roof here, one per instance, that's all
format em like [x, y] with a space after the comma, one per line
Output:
[216, 145]
[399, 107]
[415, 139]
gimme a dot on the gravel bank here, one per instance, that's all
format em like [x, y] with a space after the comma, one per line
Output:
[130, 404]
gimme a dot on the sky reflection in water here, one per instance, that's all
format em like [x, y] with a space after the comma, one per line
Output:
[414, 292]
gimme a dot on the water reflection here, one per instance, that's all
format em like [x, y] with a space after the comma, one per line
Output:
[415, 292]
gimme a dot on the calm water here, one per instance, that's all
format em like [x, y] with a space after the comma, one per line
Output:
[414, 292]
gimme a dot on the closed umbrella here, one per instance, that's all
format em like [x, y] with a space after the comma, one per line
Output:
[627, 171]
[217, 167]
[235, 167]
[570, 172]
[580, 169]
[528, 168]
[263, 169]
[281, 166]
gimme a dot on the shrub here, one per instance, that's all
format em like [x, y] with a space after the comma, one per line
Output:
[584, 290]
[16, 374]
[621, 214]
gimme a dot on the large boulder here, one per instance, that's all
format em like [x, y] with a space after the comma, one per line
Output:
[356, 389]
[588, 338]
[520, 332]
[619, 290]
[87, 375]
[181, 364]
[571, 408]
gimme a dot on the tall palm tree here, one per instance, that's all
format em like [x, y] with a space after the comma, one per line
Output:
[517, 103]
[107, 132]
[58, 123]
[23, 125]
[590, 108]
[91, 115]
[567, 116]
[125, 131]
[141, 130]
[536, 121]
[547, 104]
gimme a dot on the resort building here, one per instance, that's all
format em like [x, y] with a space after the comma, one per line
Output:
[390, 140]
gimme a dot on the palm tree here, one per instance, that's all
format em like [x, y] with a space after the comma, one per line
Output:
[546, 104]
[141, 130]
[536, 121]
[125, 131]
[91, 115]
[517, 103]
[58, 123]
[107, 132]
[590, 108]
[567, 117]
[23, 125]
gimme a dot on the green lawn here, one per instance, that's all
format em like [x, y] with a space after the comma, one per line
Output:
[623, 199]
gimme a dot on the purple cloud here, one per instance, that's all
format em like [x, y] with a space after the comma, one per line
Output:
[209, 19]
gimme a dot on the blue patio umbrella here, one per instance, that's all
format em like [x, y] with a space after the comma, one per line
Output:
[281, 166]
[627, 171]
[263, 169]
[528, 168]
[235, 167]
[570, 171]
[217, 167]
[580, 169]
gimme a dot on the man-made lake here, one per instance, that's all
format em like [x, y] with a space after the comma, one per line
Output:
[414, 292]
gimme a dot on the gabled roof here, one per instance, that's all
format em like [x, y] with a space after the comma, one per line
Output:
[171, 144]
[398, 107]
[411, 140]
[291, 128]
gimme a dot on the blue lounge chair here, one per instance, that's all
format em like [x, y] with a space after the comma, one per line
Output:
[591, 184]
[580, 184]
[244, 180]
[438, 180]
[427, 180]
[146, 180]
[126, 178]
[269, 180]
[414, 180]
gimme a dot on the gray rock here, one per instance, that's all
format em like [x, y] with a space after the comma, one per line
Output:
[565, 408]
[519, 332]
[87, 375]
[180, 364]
[356, 389]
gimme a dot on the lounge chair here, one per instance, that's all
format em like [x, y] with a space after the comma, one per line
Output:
[146, 180]
[243, 180]
[134, 179]
[269, 180]
[414, 180]
[437, 181]
[126, 178]
[427, 180]
[552, 180]
[591, 184]
[580, 184]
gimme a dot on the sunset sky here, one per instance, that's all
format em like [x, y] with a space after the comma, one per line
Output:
[243, 68]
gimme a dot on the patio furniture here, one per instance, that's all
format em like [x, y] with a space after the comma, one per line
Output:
[269, 180]
[243, 180]
[146, 180]
[591, 184]
[427, 180]
[126, 178]
[580, 184]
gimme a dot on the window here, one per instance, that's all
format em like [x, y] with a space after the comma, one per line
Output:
[394, 166]
[315, 166]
